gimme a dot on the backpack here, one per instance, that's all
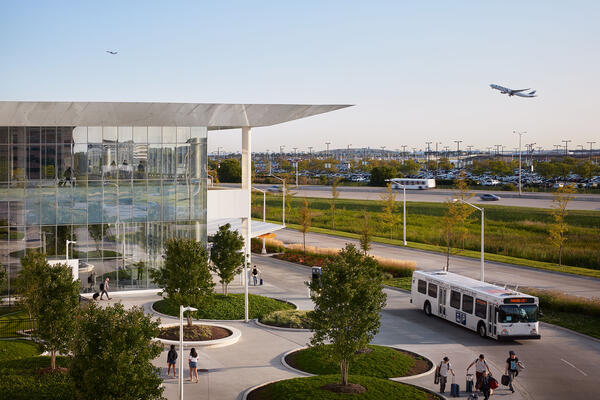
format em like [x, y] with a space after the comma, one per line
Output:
[102, 286]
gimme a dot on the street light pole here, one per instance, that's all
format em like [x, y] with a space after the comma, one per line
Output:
[404, 217]
[591, 144]
[482, 279]
[181, 311]
[283, 191]
[566, 142]
[520, 136]
[264, 248]
[327, 152]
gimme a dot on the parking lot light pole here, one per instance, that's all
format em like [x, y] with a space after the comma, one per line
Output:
[482, 235]
[404, 216]
[283, 191]
[520, 135]
[182, 309]
[264, 249]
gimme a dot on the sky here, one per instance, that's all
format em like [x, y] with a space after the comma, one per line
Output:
[415, 71]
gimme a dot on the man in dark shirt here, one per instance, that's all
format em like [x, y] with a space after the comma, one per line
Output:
[511, 369]
[485, 385]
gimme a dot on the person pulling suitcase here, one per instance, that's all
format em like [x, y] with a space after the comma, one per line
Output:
[444, 369]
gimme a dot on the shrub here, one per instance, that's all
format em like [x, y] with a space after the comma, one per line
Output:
[297, 319]
[552, 300]
[271, 245]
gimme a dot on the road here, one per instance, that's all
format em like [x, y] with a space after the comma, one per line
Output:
[496, 272]
[537, 200]
[561, 365]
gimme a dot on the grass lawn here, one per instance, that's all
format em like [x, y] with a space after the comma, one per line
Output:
[382, 362]
[401, 283]
[228, 307]
[19, 377]
[518, 233]
[310, 389]
[586, 324]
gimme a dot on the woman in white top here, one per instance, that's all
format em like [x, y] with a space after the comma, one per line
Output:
[193, 364]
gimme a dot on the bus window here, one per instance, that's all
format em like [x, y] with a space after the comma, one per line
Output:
[432, 290]
[455, 299]
[467, 304]
[516, 313]
[480, 308]
[422, 288]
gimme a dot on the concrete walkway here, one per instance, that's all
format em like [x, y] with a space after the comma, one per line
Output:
[226, 372]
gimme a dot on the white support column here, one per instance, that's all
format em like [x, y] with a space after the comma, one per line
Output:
[246, 223]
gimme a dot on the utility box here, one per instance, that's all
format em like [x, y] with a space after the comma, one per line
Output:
[316, 275]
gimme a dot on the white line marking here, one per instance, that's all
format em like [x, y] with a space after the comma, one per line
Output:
[568, 363]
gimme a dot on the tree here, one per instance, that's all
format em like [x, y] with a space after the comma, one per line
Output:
[30, 280]
[334, 196]
[96, 232]
[461, 210]
[289, 195]
[348, 299]
[3, 277]
[365, 233]
[388, 203]
[558, 230]
[304, 219]
[226, 255]
[379, 175]
[113, 352]
[58, 304]
[185, 275]
[449, 222]
[230, 171]
[410, 167]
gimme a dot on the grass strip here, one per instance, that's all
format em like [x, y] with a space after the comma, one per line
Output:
[466, 253]
[403, 283]
[228, 307]
[310, 389]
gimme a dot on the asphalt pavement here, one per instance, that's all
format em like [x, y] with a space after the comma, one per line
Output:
[499, 273]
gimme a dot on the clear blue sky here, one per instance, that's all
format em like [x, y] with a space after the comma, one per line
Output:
[416, 71]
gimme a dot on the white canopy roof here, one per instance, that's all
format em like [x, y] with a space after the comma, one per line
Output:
[257, 228]
[213, 116]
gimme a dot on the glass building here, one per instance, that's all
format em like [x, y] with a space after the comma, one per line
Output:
[118, 180]
[119, 192]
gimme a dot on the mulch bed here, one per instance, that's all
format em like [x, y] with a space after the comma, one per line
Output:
[194, 333]
[49, 370]
[350, 388]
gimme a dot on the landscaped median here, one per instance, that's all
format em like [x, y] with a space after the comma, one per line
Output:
[227, 307]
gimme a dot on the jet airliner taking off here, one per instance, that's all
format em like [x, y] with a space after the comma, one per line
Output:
[514, 92]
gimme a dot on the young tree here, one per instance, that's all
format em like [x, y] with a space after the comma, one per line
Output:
[96, 232]
[226, 255]
[113, 352]
[30, 280]
[185, 275]
[348, 301]
[388, 203]
[334, 196]
[365, 233]
[461, 211]
[58, 304]
[3, 277]
[450, 222]
[558, 230]
[289, 195]
[230, 170]
[305, 219]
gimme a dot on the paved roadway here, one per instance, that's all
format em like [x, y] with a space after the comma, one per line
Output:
[494, 272]
[538, 200]
[562, 365]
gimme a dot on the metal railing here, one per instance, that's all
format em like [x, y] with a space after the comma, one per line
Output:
[14, 328]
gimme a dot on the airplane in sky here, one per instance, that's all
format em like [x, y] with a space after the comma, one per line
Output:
[112, 52]
[514, 92]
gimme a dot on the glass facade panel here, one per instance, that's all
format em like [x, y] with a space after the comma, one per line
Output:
[119, 192]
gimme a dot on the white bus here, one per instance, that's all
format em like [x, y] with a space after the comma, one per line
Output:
[412, 183]
[490, 310]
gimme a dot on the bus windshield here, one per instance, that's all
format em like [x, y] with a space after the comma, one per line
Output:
[517, 313]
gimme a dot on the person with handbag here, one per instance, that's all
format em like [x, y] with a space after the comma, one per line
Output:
[512, 369]
[486, 385]
[480, 367]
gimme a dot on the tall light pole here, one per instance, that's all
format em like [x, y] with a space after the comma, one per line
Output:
[403, 152]
[68, 243]
[282, 191]
[427, 158]
[404, 212]
[382, 152]
[482, 278]
[458, 142]
[264, 249]
[520, 137]
[310, 152]
[281, 150]
[182, 309]
[566, 142]
[437, 159]
[591, 144]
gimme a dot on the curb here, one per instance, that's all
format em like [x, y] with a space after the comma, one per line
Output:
[235, 336]
[561, 328]
[429, 372]
[279, 328]
[396, 289]
[288, 366]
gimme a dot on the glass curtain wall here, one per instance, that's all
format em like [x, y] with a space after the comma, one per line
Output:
[119, 192]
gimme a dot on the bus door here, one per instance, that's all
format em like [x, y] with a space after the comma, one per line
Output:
[492, 311]
[442, 301]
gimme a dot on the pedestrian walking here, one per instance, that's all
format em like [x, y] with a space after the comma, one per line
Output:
[445, 368]
[193, 364]
[512, 369]
[104, 288]
[255, 272]
[486, 388]
[480, 367]
[172, 361]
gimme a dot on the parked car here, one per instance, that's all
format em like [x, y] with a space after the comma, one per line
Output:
[275, 188]
[489, 197]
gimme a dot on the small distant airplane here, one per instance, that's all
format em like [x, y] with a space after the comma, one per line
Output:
[112, 52]
[514, 92]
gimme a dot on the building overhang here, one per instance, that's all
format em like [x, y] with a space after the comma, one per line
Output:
[212, 116]
[258, 227]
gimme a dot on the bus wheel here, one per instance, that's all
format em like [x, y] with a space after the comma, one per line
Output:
[481, 330]
[427, 308]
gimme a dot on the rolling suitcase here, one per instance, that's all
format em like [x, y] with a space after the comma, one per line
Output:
[454, 389]
[505, 380]
[95, 296]
[469, 384]
[261, 281]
